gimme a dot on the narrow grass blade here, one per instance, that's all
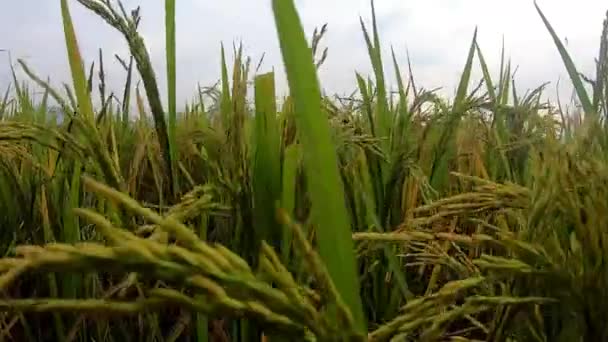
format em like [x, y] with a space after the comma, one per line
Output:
[266, 164]
[171, 86]
[383, 122]
[46, 86]
[225, 101]
[412, 82]
[324, 184]
[403, 116]
[4, 103]
[569, 64]
[76, 64]
[486, 74]
[506, 85]
[70, 95]
[463, 86]
[367, 103]
[445, 148]
[19, 91]
[71, 228]
[288, 193]
[374, 163]
[90, 79]
[126, 97]
[102, 81]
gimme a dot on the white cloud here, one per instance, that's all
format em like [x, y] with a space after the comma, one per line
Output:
[436, 32]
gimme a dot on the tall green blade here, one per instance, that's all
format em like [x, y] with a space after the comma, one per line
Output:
[502, 75]
[266, 167]
[463, 86]
[225, 107]
[171, 85]
[21, 94]
[126, 98]
[367, 103]
[90, 78]
[383, 122]
[288, 193]
[4, 102]
[506, 85]
[445, 148]
[374, 165]
[383, 112]
[486, 74]
[71, 229]
[324, 184]
[79, 78]
[403, 117]
[569, 64]
[266, 170]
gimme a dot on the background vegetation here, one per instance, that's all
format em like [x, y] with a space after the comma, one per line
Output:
[390, 215]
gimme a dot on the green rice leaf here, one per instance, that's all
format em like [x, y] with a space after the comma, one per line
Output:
[79, 78]
[324, 184]
[171, 85]
[266, 167]
[570, 67]
[486, 74]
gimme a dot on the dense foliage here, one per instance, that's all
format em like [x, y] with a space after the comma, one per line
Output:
[390, 215]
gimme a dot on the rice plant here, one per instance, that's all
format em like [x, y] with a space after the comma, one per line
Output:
[392, 215]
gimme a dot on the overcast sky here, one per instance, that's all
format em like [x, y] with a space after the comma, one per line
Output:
[436, 32]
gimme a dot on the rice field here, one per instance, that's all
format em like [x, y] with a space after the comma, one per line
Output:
[393, 215]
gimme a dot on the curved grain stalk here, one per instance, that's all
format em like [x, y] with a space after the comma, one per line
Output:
[127, 25]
